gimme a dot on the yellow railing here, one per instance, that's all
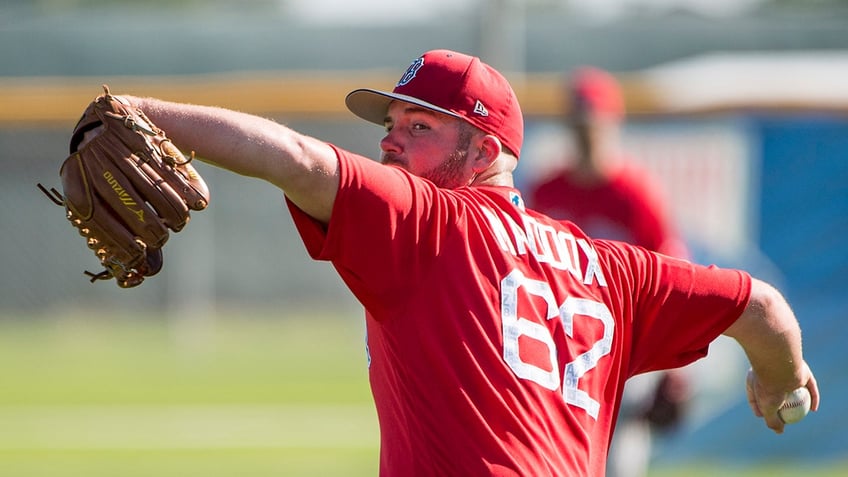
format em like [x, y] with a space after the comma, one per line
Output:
[58, 101]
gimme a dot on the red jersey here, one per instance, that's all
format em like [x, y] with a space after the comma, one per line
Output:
[499, 340]
[629, 207]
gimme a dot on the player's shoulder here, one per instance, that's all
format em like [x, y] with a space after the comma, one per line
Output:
[632, 173]
[635, 181]
[616, 253]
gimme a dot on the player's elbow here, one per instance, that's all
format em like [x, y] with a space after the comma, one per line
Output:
[767, 312]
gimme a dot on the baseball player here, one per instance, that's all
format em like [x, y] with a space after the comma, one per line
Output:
[499, 340]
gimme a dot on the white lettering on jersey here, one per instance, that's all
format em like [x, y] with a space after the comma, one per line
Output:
[500, 232]
[514, 325]
[547, 244]
[588, 360]
[593, 267]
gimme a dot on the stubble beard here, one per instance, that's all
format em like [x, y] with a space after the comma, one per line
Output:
[449, 174]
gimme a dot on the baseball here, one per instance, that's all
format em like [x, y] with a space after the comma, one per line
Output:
[797, 406]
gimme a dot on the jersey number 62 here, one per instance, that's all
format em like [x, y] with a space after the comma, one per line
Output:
[514, 326]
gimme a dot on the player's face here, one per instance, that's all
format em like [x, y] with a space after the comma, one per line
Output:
[594, 134]
[428, 144]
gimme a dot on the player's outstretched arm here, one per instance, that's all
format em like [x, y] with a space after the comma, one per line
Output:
[770, 335]
[305, 168]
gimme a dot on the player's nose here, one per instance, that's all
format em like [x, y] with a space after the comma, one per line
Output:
[390, 144]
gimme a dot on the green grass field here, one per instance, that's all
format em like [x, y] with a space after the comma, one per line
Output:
[249, 395]
[144, 396]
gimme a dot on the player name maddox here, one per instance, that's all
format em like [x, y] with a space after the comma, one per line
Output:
[559, 248]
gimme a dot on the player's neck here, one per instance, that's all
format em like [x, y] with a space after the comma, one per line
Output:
[500, 179]
[499, 173]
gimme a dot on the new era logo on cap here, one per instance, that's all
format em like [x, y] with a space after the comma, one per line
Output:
[455, 84]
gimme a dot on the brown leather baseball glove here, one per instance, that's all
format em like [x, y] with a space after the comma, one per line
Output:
[124, 186]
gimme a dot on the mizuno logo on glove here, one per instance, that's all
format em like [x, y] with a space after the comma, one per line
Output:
[122, 195]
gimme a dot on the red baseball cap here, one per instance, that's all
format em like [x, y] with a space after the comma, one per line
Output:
[596, 91]
[455, 84]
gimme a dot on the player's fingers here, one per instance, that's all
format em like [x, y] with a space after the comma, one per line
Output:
[813, 387]
[752, 402]
[752, 398]
[774, 422]
[769, 407]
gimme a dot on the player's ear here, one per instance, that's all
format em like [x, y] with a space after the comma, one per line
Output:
[488, 150]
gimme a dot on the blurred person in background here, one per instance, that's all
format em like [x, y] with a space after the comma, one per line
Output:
[605, 193]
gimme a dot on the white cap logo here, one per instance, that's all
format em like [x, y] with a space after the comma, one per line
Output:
[480, 109]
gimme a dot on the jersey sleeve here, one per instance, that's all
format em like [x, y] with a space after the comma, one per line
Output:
[384, 227]
[677, 308]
